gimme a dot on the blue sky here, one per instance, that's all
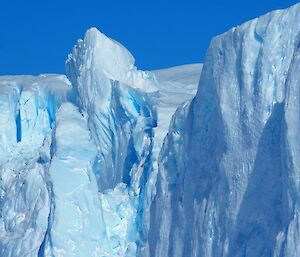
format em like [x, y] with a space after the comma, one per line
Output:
[36, 36]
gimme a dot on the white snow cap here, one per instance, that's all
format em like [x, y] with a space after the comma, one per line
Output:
[112, 60]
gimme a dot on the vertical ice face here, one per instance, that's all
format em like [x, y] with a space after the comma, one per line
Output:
[28, 106]
[79, 162]
[122, 104]
[24, 206]
[102, 167]
[120, 116]
[177, 85]
[76, 226]
[229, 168]
[292, 128]
[167, 217]
[8, 116]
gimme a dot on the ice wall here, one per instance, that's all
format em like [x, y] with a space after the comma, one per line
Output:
[120, 116]
[79, 160]
[123, 106]
[117, 161]
[76, 226]
[229, 166]
[28, 105]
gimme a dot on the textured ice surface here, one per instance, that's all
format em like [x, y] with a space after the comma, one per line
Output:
[117, 161]
[76, 159]
[76, 226]
[121, 117]
[100, 55]
[228, 183]
[27, 109]
[28, 105]
[128, 118]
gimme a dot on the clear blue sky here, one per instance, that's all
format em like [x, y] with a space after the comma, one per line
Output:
[37, 35]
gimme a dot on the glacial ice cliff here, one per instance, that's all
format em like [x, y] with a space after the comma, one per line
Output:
[228, 182]
[77, 155]
[114, 161]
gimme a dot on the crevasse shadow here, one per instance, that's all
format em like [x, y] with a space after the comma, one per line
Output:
[265, 211]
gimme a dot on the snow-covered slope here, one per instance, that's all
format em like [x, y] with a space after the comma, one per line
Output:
[228, 182]
[176, 85]
[115, 161]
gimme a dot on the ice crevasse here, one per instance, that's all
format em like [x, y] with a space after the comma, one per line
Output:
[110, 160]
